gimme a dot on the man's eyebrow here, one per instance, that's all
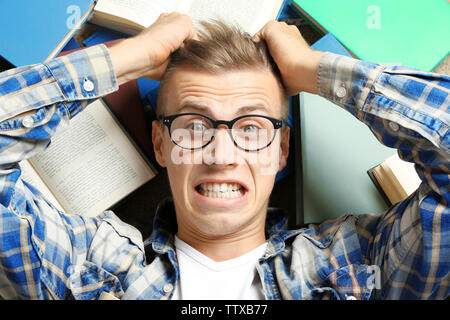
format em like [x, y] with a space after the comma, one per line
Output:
[251, 108]
[204, 109]
[193, 106]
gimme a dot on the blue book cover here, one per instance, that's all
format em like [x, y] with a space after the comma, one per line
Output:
[30, 30]
[329, 43]
[103, 35]
[287, 12]
[71, 45]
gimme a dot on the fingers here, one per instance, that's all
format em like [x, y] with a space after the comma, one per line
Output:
[194, 35]
[180, 19]
[297, 62]
[157, 42]
[267, 30]
[273, 29]
[256, 37]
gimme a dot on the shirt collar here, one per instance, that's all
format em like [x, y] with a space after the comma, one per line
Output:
[165, 228]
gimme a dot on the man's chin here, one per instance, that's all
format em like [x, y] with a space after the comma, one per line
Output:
[221, 226]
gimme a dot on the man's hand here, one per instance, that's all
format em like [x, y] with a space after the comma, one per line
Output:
[298, 63]
[147, 54]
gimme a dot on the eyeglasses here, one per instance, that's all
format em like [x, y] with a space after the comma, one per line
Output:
[193, 131]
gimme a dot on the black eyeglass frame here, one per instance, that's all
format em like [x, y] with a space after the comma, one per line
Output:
[167, 121]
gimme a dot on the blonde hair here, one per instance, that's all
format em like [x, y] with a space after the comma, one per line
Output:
[220, 48]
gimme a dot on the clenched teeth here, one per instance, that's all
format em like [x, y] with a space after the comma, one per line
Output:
[223, 190]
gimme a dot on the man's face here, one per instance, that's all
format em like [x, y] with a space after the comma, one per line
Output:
[221, 190]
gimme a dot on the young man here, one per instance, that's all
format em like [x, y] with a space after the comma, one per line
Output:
[218, 239]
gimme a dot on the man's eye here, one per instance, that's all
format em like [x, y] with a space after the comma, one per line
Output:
[196, 126]
[249, 129]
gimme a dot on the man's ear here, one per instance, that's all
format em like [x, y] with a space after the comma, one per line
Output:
[157, 139]
[284, 147]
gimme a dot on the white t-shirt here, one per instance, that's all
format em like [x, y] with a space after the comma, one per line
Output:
[202, 278]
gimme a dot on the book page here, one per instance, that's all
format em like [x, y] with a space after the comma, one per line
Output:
[30, 176]
[250, 15]
[405, 173]
[142, 12]
[93, 164]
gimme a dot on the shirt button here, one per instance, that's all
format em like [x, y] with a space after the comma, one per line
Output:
[27, 122]
[88, 85]
[168, 288]
[341, 92]
[394, 126]
[351, 298]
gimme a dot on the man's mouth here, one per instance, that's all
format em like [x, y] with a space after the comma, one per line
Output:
[221, 190]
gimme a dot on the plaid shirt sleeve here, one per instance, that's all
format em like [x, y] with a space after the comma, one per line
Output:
[408, 110]
[46, 254]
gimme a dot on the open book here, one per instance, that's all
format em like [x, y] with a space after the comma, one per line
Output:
[89, 166]
[132, 16]
[395, 178]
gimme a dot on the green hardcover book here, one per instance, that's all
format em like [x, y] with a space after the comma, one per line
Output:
[414, 33]
[337, 150]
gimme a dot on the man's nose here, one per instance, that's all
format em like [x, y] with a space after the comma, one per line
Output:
[221, 150]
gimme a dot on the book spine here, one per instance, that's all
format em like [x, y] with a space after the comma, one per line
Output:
[318, 27]
[300, 219]
[378, 187]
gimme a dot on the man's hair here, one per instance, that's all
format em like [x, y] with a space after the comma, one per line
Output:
[222, 47]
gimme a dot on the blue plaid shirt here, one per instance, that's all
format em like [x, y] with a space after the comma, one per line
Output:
[47, 254]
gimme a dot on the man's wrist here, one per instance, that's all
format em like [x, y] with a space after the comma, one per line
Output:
[336, 77]
[128, 61]
[307, 71]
